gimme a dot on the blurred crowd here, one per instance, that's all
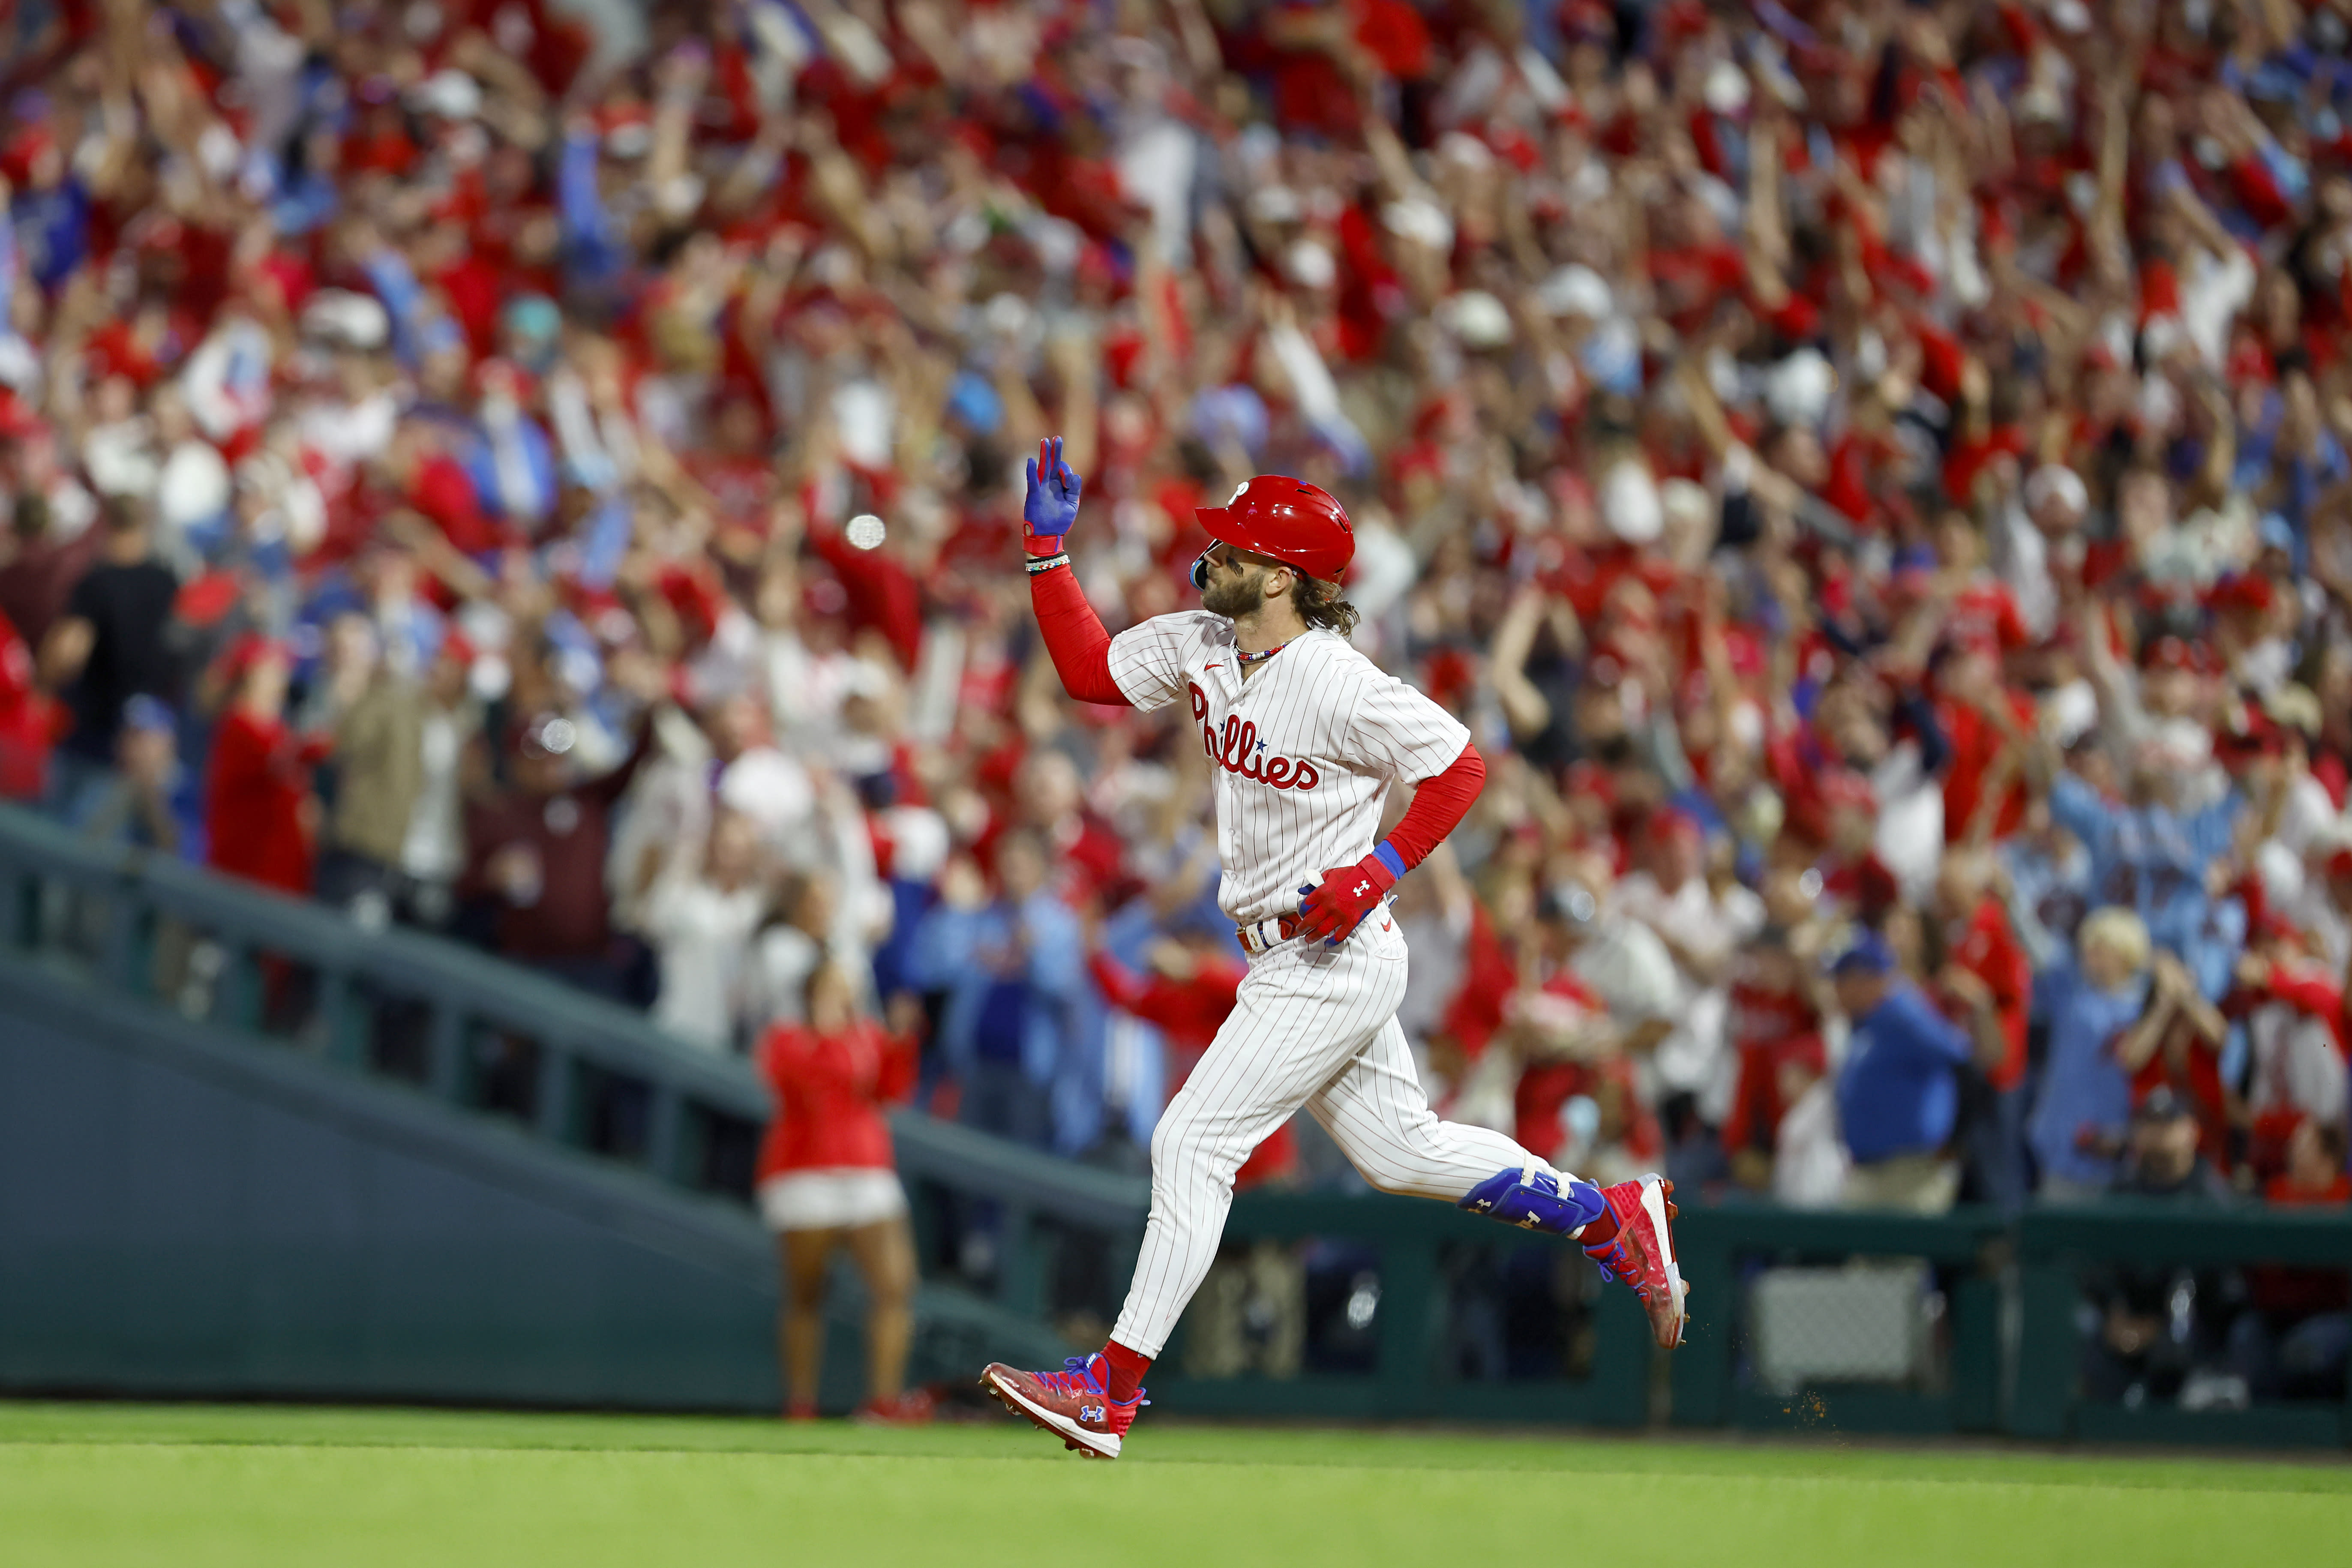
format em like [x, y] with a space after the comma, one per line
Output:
[1872, 476]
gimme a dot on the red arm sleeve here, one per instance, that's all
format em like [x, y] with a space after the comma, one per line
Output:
[1121, 989]
[1148, 998]
[1438, 805]
[1075, 636]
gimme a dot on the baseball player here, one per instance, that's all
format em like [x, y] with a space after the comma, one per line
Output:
[1306, 734]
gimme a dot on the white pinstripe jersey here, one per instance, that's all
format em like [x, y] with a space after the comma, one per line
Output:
[1305, 747]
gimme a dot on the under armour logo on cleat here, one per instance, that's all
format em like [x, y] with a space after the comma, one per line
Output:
[1090, 1411]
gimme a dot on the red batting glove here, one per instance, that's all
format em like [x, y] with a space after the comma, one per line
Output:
[1332, 910]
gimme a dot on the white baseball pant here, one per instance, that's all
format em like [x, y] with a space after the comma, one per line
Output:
[1316, 1026]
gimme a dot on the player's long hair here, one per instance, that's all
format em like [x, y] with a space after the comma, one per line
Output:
[1318, 605]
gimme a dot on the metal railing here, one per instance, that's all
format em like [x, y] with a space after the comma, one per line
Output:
[1036, 1200]
[145, 926]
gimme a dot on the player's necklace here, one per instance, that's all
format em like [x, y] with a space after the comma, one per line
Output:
[1259, 658]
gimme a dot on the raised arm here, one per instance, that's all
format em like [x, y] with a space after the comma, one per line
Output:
[2137, 1042]
[1074, 634]
[1525, 708]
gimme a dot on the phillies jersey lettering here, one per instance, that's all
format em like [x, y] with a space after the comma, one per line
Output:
[1305, 746]
[1239, 751]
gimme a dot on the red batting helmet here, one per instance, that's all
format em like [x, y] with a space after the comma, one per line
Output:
[1285, 520]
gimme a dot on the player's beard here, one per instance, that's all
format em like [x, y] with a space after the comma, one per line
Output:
[1235, 594]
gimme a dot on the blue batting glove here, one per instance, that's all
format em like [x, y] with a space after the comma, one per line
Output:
[1051, 504]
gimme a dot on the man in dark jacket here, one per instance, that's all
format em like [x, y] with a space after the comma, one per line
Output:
[2158, 1324]
[535, 856]
[113, 642]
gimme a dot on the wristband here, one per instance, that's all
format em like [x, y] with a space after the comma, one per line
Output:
[1388, 857]
[1047, 563]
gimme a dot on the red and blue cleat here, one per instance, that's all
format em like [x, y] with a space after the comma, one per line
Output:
[1642, 1254]
[1074, 1403]
[1639, 1250]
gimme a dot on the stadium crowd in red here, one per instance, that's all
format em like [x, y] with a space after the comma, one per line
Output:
[1872, 478]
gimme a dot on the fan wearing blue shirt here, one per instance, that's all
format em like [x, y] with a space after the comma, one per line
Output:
[1898, 1092]
[2083, 1112]
[2150, 857]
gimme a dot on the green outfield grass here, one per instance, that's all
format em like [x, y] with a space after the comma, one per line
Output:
[190, 1487]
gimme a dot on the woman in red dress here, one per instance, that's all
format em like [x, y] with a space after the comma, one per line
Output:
[827, 1182]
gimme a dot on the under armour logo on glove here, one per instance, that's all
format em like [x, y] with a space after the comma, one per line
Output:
[1347, 893]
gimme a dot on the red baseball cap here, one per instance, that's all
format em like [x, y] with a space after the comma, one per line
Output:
[1285, 520]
